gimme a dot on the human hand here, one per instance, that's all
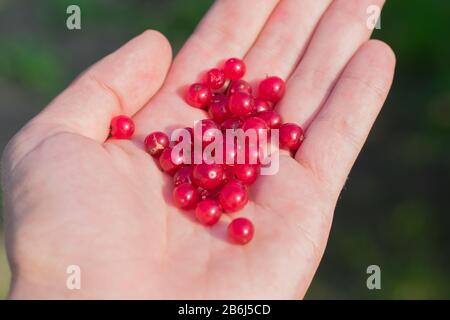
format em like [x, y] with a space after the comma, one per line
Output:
[73, 197]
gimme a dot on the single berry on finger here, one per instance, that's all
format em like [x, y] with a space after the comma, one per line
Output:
[241, 230]
[198, 95]
[233, 196]
[185, 196]
[208, 176]
[183, 175]
[239, 86]
[156, 142]
[271, 89]
[241, 104]
[215, 78]
[234, 69]
[291, 136]
[208, 212]
[122, 127]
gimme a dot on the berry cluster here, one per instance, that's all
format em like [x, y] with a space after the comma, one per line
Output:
[208, 187]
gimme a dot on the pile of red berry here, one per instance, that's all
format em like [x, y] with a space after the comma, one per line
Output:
[212, 188]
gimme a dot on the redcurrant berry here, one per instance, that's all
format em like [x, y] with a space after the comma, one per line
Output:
[231, 124]
[218, 108]
[246, 173]
[291, 136]
[233, 196]
[272, 89]
[208, 176]
[234, 69]
[122, 127]
[203, 133]
[261, 105]
[215, 78]
[208, 212]
[241, 104]
[258, 125]
[156, 142]
[168, 164]
[272, 119]
[198, 95]
[183, 175]
[185, 196]
[241, 230]
[239, 86]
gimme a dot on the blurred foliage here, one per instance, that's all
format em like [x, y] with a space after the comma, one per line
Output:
[394, 211]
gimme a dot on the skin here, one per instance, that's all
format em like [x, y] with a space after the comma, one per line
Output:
[73, 197]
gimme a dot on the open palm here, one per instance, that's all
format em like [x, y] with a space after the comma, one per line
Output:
[73, 197]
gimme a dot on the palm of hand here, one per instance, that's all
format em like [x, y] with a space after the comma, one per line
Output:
[106, 207]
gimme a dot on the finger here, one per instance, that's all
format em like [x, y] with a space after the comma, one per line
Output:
[284, 38]
[120, 83]
[339, 131]
[228, 30]
[342, 30]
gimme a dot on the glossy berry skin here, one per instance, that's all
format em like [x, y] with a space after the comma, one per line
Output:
[272, 89]
[218, 108]
[261, 105]
[241, 230]
[241, 104]
[185, 196]
[208, 212]
[183, 175]
[239, 86]
[167, 164]
[291, 136]
[257, 124]
[272, 119]
[233, 196]
[231, 123]
[246, 173]
[208, 176]
[198, 95]
[201, 132]
[122, 127]
[156, 142]
[234, 69]
[215, 78]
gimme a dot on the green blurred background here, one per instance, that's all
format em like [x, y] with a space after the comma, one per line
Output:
[394, 211]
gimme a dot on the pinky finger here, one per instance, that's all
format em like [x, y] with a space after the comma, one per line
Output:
[337, 134]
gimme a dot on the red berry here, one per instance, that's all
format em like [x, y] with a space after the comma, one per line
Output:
[168, 164]
[234, 69]
[198, 95]
[215, 78]
[185, 196]
[208, 212]
[208, 194]
[231, 124]
[257, 124]
[291, 136]
[208, 176]
[183, 175]
[233, 196]
[272, 89]
[228, 174]
[156, 142]
[261, 105]
[241, 104]
[218, 108]
[272, 119]
[239, 86]
[241, 230]
[122, 127]
[246, 173]
[201, 132]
